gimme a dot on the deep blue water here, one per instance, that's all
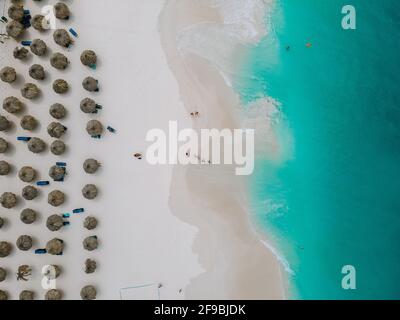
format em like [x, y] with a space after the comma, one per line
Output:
[336, 200]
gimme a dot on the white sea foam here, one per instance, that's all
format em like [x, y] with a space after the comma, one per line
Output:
[273, 140]
[285, 264]
[244, 23]
[245, 17]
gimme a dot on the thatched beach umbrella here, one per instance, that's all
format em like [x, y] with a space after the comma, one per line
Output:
[55, 246]
[30, 91]
[90, 243]
[90, 223]
[8, 200]
[62, 38]
[88, 105]
[16, 12]
[20, 53]
[3, 295]
[8, 74]
[89, 191]
[3, 274]
[5, 249]
[23, 272]
[55, 222]
[90, 84]
[12, 104]
[88, 293]
[58, 111]
[39, 22]
[90, 266]
[5, 168]
[3, 145]
[38, 47]
[56, 198]
[27, 295]
[56, 130]
[27, 174]
[36, 145]
[52, 272]
[29, 193]
[53, 294]
[24, 243]
[91, 166]
[14, 29]
[28, 216]
[37, 72]
[88, 58]
[62, 11]
[57, 147]
[94, 128]
[29, 123]
[60, 86]
[57, 173]
[4, 123]
[59, 61]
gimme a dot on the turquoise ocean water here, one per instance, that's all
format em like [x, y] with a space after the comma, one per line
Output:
[335, 200]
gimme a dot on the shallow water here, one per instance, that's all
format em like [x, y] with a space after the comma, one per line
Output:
[332, 198]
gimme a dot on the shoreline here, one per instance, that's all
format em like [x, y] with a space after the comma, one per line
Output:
[214, 196]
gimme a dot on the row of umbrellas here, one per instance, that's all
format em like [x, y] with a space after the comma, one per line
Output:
[20, 20]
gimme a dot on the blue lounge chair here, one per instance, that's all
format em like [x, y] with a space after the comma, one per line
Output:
[79, 210]
[66, 215]
[26, 20]
[73, 32]
[40, 251]
[66, 223]
[42, 183]
[61, 164]
[24, 138]
[111, 129]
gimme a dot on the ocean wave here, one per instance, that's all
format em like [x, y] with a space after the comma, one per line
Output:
[244, 22]
[273, 138]
[247, 18]
[285, 264]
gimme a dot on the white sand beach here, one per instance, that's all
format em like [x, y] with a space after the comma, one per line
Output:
[238, 265]
[168, 232]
